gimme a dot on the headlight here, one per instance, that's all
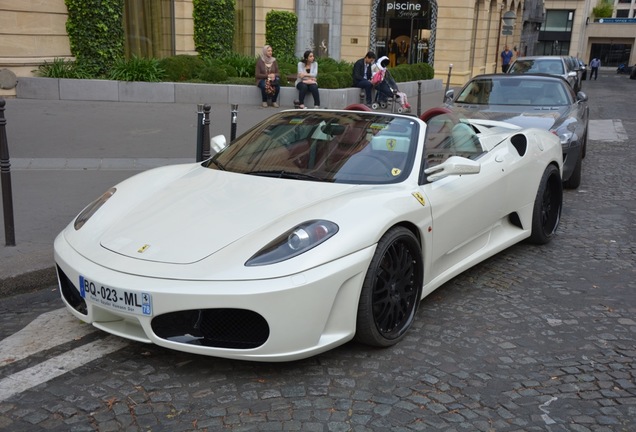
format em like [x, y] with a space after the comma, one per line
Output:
[90, 209]
[294, 242]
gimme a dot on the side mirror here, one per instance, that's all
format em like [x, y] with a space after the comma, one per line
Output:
[217, 144]
[449, 96]
[581, 97]
[454, 165]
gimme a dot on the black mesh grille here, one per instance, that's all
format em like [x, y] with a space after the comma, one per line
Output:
[70, 293]
[219, 328]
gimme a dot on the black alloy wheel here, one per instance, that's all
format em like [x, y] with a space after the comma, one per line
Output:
[547, 206]
[391, 290]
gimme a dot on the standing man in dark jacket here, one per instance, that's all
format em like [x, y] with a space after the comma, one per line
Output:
[362, 74]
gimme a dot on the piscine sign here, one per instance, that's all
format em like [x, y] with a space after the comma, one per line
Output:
[404, 9]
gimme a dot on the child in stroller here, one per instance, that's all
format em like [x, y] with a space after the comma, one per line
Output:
[387, 88]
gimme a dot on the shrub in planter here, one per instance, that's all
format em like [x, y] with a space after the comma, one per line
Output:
[344, 79]
[61, 68]
[181, 67]
[136, 69]
[327, 81]
[212, 74]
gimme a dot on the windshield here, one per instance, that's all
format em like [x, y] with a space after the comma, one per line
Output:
[548, 66]
[515, 91]
[340, 147]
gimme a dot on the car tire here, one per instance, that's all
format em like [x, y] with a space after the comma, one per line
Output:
[575, 178]
[546, 212]
[584, 145]
[391, 289]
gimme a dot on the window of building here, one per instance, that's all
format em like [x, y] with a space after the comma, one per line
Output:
[149, 28]
[622, 13]
[558, 21]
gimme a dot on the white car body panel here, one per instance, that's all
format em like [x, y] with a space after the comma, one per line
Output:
[200, 226]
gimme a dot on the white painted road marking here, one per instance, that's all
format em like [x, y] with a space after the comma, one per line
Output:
[606, 130]
[59, 365]
[45, 332]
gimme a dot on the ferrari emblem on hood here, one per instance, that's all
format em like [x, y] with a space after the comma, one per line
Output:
[143, 248]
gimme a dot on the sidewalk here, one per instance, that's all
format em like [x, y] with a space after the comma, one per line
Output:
[64, 154]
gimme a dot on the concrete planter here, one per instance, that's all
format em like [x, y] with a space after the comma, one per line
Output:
[185, 93]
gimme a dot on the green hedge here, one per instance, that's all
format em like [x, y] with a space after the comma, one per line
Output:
[213, 26]
[280, 33]
[96, 33]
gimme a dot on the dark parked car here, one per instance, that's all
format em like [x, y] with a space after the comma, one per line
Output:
[531, 100]
[563, 66]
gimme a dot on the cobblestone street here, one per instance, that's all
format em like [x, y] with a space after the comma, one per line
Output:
[533, 339]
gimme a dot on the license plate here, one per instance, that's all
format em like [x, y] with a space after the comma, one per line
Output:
[139, 303]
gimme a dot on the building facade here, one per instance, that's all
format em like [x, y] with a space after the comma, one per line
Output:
[467, 34]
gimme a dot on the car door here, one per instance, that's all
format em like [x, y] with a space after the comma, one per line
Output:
[465, 208]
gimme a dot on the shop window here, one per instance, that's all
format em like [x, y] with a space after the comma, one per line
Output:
[149, 28]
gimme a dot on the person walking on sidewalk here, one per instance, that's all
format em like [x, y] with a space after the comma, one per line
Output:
[506, 56]
[595, 64]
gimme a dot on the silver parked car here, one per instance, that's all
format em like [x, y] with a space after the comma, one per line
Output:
[533, 100]
[562, 66]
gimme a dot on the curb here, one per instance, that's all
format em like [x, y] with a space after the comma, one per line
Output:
[31, 281]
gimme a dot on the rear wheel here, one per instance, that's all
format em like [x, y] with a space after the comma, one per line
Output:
[547, 206]
[391, 290]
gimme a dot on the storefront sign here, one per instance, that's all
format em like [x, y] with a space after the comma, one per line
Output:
[404, 9]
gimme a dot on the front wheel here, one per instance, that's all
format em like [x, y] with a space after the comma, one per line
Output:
[391, 290]
[546, 213]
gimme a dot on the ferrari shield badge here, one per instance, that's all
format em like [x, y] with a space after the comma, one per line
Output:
[143, 248]
[418, 196]
[390, 144]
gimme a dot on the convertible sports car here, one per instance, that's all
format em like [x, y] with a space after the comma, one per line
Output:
[312, 228]
[531, 100]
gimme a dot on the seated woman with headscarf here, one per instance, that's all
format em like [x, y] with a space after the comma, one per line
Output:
[267, 77]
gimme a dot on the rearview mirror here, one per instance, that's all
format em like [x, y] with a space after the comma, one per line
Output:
[454, 165]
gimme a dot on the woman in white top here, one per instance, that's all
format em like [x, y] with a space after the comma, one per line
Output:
[306, 79]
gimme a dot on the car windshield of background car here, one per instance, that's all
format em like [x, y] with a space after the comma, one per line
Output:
[340, 147]
[522, 92]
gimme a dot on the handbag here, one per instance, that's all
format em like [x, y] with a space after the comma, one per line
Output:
[269, 88]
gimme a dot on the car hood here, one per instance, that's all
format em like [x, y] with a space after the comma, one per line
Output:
[525, 117]
[204, 211]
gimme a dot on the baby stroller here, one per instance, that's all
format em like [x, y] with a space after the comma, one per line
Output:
[387, 91]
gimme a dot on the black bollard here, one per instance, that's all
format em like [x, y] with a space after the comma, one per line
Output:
[450, 69]
[5, 178]
[199, 156]
[419, 98]
[234, 119]
[205, 154]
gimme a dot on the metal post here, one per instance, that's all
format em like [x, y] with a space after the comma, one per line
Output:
[5, 178]
[233, 125]
[450, 69]
[199, 156]
[205, 154]
[419, 98]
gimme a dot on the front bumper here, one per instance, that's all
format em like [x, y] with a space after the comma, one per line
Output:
[297, 316]
[571, 156]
